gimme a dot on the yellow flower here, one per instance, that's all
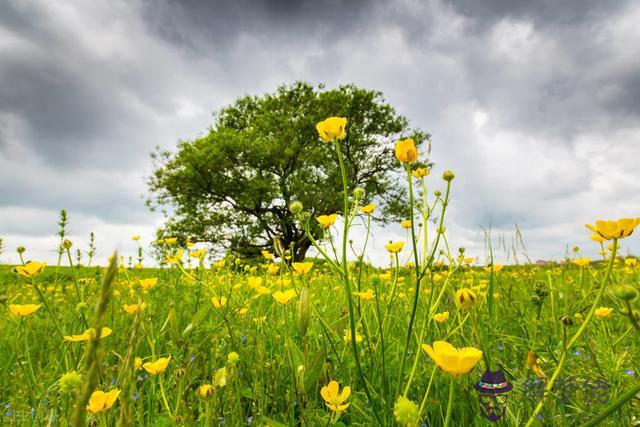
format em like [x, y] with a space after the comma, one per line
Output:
[301, 268]
[23, 310]
[273, 269]
[452, 360]
[596, 238]
[254, 281]
[87, 335]
[532, 361]
[284, 297]
[262, 290]
[394, 247]
[134, 308]
[200, 253]
[495, 267]
[581, 262]
[267, 255]
[175, 258]
[468, 260]
[631, 262]
[603, 312]
[368, 209]
[335, 400]
[327, 221]
[406, 224]
[219, 264]
[619, 229]
[347, 336]
[466, 298]
[205, 391]
[441, 317]
[171, 240]
[220, 377]
[148, 283]
[366, 295]
[135, 238]
[137, 362]
[31, 269]
[101, 401]
[219, 302]
[384, 276]
[406, 151]
[420, 172]
[157, 367]
[332, 128]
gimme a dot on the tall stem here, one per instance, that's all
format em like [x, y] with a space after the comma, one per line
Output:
[452, 389]
[578, 334]
[347, 285]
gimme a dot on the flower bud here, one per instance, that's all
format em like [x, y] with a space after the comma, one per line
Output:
[566, 320]
[448, 175]
[205, 391]
[295, 207]
[406, 412]
[70, 382]
[437, 193]
[358, 193]
[625, 292]
[233, 358]
[20, 249]
[67, 244]
[303, 312]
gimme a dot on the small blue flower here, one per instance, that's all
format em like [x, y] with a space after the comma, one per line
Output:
[221, 420]
[113, 381]
[8, 405]
[630, 372]
[250, 419]
[500, 347]
[135, 396]
[8, 413]
[576, 353]
[192, 357]
[539, 417]
[244, 339]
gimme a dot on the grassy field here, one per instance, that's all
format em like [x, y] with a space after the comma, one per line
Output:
[436, 338]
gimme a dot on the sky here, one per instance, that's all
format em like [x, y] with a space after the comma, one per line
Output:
[534, 104]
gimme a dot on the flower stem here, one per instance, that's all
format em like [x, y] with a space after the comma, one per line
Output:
[347, 286]
[575, 337]
[452, 389]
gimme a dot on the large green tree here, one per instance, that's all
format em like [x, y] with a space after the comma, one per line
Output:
[233, 187]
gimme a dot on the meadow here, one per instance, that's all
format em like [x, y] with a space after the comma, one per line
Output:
[438, 337]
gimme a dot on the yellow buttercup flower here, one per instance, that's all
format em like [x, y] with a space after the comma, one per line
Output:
[496, 268]
[205, 391]
[420, 172]
[267, 255]
[219, 264]
[631, 262]
[441, 317]
[394, 247]
[335, 400]
[148, 283]
[327, 221]
[134, 308]
[532, 361]
[254, 281]
[31, 269]
[87, 335]
[101, 401]
[332, 128]
[135, 238]
[220, 377]
[301, 268]
[603, 312]
[158, 366]
[200, 253]
[581, 262]
[406, 224]
[273, 269]
[365, 295]
[406, 151]
[219, 302]
[466, 298]
[596, 238]
[368, 209]
[618, 229]
[284, 297]
[347, 336]
[453, 361]
[23, 310]
[175, 258]
[171, 240]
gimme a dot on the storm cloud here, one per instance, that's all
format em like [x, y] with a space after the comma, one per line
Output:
[534, 104]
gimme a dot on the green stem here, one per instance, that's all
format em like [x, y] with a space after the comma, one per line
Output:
[46, 304]
[452, 389]
[577, 335]
[628, 395]
[347, 286]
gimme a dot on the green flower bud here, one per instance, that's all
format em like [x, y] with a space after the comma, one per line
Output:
[406, 412]
[233, 358]
[67, 244]
[70, 382]
[358, 193]
[303, 312]
[448, 175]
[625, 292]
[295, 207]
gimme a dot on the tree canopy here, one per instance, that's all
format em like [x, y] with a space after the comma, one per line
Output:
[232, 187]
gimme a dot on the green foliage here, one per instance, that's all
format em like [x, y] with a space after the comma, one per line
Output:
[232, 187]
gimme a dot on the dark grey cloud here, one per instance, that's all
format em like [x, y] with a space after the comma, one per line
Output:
[534, 104]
